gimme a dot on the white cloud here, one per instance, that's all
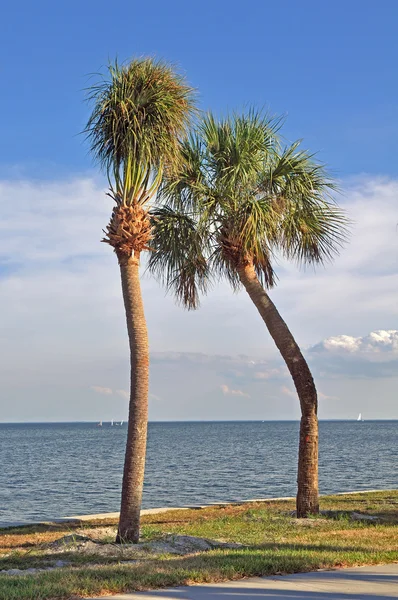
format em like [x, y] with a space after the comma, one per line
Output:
[322, 396]
[101, 390]
[291, 393]
[272, 373]
[63, 323]
[123, 394]
[50, 222]
[359, 291]
[377, 345]
[372, 355]
[227, 391]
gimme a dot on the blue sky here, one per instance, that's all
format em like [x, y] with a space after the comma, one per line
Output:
[331, 69]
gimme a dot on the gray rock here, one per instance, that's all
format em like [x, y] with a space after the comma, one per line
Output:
[69, 539]
[19, 571]
[12, 572]
[60, 563]
[358, 517]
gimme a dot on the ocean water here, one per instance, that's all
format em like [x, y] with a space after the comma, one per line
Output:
[56, 470]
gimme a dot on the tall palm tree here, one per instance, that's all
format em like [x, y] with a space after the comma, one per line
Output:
[139, 112]
[238, 200]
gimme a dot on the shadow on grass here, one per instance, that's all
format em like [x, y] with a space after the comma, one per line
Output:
[276, 552]
[90, 580]
[385, 517]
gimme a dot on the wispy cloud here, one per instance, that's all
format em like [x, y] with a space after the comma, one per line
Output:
[291, 393]
[227, 391]
[323, 396]
[62, 315]
[106, 391]
[358, 292]
[272, 373]
[123, 394]
[288, 392]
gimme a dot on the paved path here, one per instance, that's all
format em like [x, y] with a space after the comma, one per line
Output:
[362, 583]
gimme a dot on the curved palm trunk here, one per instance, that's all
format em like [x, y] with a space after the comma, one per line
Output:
[134, 465]
[307, 491]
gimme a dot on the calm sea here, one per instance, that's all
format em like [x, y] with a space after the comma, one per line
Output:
[55, 470]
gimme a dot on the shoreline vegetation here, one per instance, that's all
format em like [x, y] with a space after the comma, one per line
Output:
[210, 544]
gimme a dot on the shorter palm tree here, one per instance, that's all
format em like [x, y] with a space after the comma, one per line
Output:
[138, 115]
[237, 202]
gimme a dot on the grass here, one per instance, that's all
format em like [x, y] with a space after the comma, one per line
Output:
[274, 543]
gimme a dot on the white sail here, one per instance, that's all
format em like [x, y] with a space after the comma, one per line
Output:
[360, 417]
[112, 423]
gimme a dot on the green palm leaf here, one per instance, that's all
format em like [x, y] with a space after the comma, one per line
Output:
[250, 199]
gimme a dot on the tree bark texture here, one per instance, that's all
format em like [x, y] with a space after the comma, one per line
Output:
[307, 489]
[134, 465]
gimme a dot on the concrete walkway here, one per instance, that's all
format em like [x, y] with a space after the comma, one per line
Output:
[362, 583]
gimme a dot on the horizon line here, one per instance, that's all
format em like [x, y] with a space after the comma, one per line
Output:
[346, 419]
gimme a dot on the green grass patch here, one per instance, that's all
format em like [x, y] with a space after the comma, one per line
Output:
[274, 542]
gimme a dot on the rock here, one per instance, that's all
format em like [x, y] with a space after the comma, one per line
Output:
[69, 539]
[31, 571]
[60, 563]
[19, 571]
[12, 572]
[358, 517]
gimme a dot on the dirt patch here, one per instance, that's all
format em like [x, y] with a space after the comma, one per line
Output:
[309, 522]
[168, 544]
[186, 544]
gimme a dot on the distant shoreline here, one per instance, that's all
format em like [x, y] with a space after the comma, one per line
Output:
[196, 421]
[164, 509]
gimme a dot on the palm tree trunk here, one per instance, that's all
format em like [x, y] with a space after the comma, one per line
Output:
[307, 480]
[134, 464]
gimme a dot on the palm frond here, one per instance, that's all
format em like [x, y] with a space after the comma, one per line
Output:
[311, 227]
[238, 146]
[140, 112]
[313, 230]
[222, 267]
[244, 199]
[178, 257]
[184, 187]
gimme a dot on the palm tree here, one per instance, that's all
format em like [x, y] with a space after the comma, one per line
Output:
[139, 112]
[239, 200]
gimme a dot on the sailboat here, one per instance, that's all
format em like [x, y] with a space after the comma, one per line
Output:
[112, 423]
[360, 417]
[99, 424]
